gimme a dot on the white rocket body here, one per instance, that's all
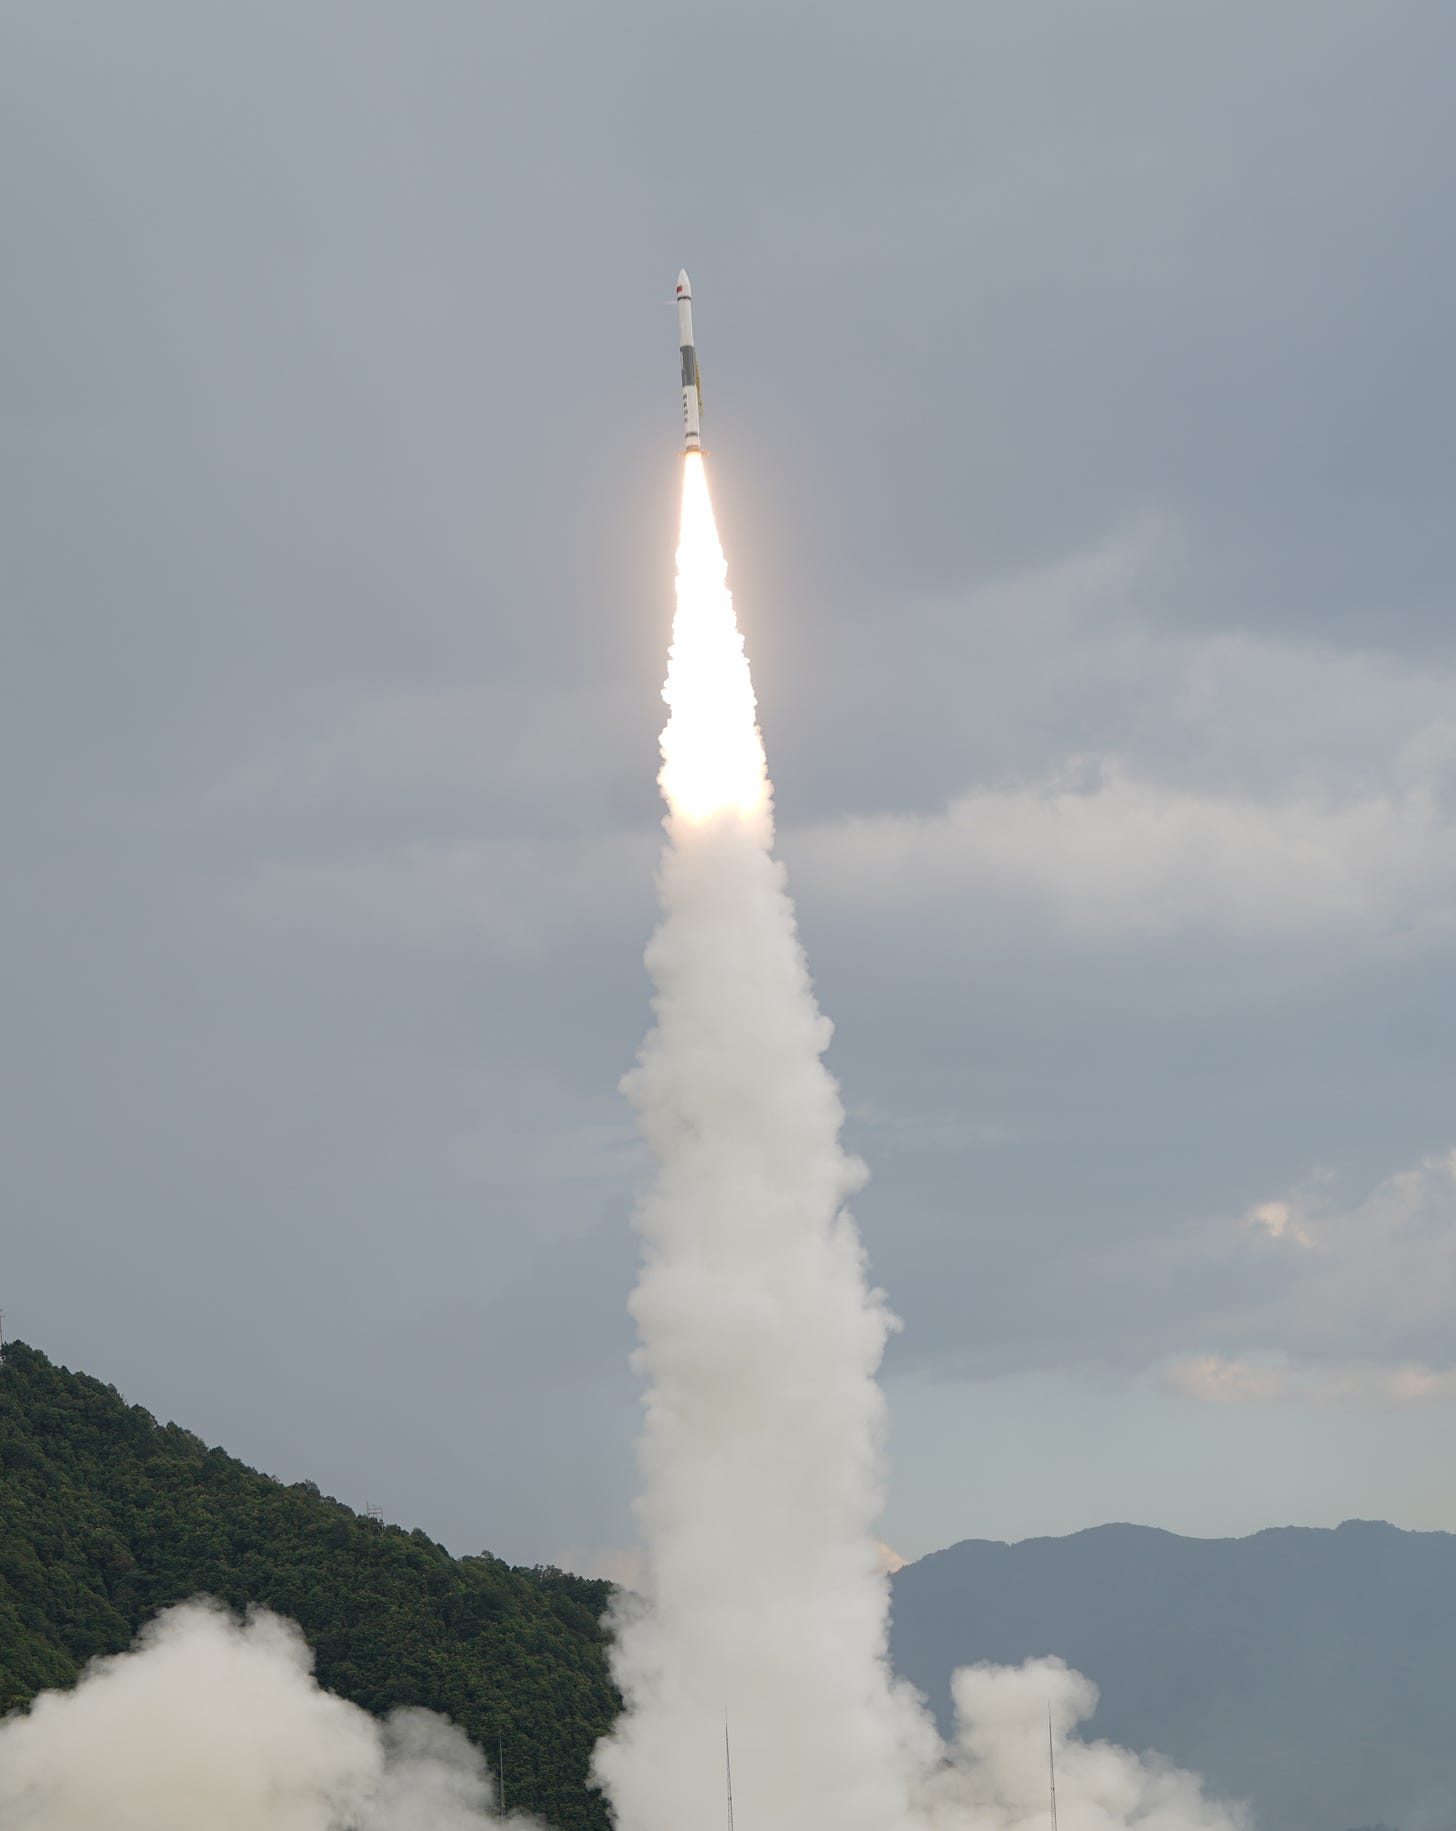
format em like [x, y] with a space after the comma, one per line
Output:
[692, 387]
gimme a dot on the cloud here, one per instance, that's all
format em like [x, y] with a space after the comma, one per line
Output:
[1279, 1221]
[1100, 851]
[1348, 1305]
[1095, 848]
[1123, 779]
[1216, 1379]
[1086, 764]
[998, 1773]
[219, 1721]
[1310, 1297]
[1377, 1276]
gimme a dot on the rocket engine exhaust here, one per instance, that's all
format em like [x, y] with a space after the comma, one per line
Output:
[760, 1453]
[763, 1595]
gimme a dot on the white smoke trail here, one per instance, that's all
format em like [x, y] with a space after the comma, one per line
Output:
[219, 1723]
[761, 1456]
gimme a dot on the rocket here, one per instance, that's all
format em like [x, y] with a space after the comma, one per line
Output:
[692, 387]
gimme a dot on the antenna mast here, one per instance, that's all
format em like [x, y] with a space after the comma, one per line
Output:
[728, 1770]
[1051, 1767]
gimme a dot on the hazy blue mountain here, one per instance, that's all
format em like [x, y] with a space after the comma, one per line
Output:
[1312, 1672]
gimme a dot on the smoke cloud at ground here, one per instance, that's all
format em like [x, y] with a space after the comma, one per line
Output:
[997, 1775]
[219, 1723]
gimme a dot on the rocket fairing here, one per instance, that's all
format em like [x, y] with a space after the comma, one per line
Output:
[692, 387]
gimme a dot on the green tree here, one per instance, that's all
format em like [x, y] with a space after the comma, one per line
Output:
[107, 1516]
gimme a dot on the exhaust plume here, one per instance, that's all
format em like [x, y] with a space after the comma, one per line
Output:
[764, 1593]
[761, 1451]
[219, 1723]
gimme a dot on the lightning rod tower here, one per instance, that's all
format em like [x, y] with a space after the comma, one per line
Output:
[728, 1769]
[1052, 1766]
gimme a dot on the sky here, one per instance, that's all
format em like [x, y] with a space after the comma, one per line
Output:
[1078, 395]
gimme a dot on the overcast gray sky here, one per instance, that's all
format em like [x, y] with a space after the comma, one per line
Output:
[1079, 392]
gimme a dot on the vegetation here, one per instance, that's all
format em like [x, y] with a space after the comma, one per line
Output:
[107, 1516]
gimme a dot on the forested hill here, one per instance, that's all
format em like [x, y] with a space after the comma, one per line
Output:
[107, 1516]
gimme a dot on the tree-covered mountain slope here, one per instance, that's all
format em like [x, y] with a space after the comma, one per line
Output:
[107, 1516]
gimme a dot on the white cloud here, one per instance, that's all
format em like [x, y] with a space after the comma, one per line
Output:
[997, 1774]
[1354, 1305]
[1217, 1379]
[1086, 763]
[1279, 1221]
[1094, 853]
[1100, 851]
[1380, 1273]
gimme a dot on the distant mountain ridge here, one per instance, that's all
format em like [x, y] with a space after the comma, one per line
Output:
[1309, 1670]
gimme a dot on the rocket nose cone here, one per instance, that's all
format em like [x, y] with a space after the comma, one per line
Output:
[684, 286]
